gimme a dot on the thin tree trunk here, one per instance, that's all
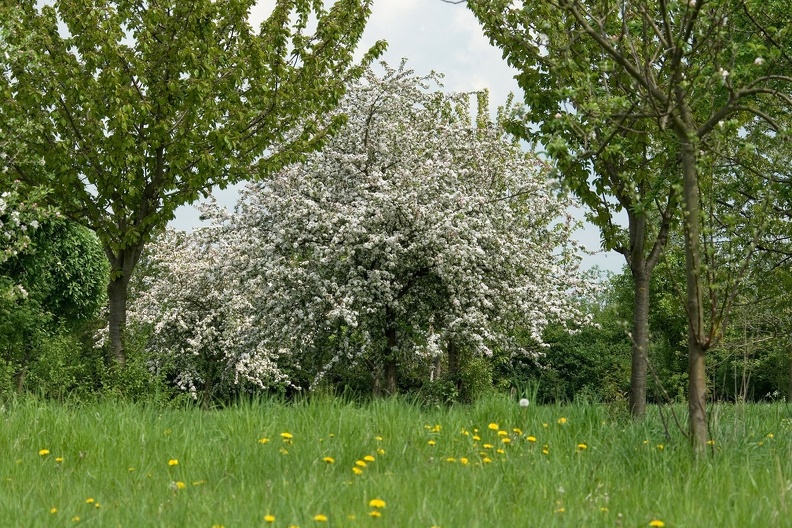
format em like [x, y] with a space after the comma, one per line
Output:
[453, 365]
[391, 365]
[122, 264]
[640, 345]
[697, 380]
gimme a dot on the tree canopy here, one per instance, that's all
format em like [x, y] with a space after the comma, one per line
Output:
[135, 107]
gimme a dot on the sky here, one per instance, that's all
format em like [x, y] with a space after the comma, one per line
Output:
[433, 36]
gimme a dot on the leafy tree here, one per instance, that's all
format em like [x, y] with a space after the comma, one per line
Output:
[137, 107]
[416, 232]
[684, 71]
[61, 278]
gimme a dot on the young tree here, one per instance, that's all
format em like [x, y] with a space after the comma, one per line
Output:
[415, 231]
[137, 107]
[683, 71]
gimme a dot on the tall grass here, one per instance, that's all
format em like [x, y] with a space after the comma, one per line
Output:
[588, 466]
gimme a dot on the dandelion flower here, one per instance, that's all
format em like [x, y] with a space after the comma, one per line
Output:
[59, 460]
[546, 450]
[581, 447]
[431, 442]
[173, 462]
[89, 500]
[493, 427]
[44, 452]
[660, 447]
[476, 438]
[360, 463]
[503, 433]
[53, 510]
[269, 518]
[357, 471]
[524, 402]
[376, 503]
[501, 452]
[769, 435]
[486, 460]
[531, 439]
[320, 518]
[487, 446]
[368, 458]
[464, 461]
[450, 459]
[283, 451]
[76, 518]
[517, 431]
[710, 442]
[506, 440]
[375, 513]
[380, 451]
[560, 510]
[180, 485]
[656, 523]
[562, 420]
[378, 438]
[286, 437]
[604, 509]
[437, 428]
[263, 440]
[329, 460]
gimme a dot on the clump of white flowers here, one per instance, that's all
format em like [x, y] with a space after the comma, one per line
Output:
[416, 227]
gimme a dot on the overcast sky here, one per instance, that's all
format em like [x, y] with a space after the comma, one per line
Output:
[446, 38]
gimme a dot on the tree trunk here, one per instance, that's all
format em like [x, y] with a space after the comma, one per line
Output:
[391, 365]
[122, 264]
[697, 380]
[454, 367]
[640, 344]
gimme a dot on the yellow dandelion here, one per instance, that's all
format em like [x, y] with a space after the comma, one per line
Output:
[199, 483]
[710, 442]
[450, 459]
[501, 452]
[368, 458]
[360, 463]
[656, 523]
[286, 437]
[269, 518]
[503, 433]
[180, 485]
[493, 427]
[97, 505]
[431, 442]
[560, 510]
[545, 450]
[375, 513]
[506, 440]
[769, 435]
[131, 469]
[329, 460]
[437, 428]
[660, 447]
[517, 431]
[464, 461]
[562, 420]
[378, 438]
[531, 439]
[263, 440]
[486, 460]
[283, 451]
[376, 503]
[44, 452]
[53, 510]
[76, 518]
[380, 451]
[357, 471]
[89, 500]
[476, 438]
[320, 518]
[59, 460]
[487, 446]
[545, 425]
[581, 447]
[173, 462]
[603, 509]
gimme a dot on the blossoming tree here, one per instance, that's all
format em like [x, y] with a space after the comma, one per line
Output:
[417, 231]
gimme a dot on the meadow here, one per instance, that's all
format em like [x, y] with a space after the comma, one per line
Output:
[390, 463]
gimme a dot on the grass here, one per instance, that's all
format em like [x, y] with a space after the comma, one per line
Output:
[110, 464]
